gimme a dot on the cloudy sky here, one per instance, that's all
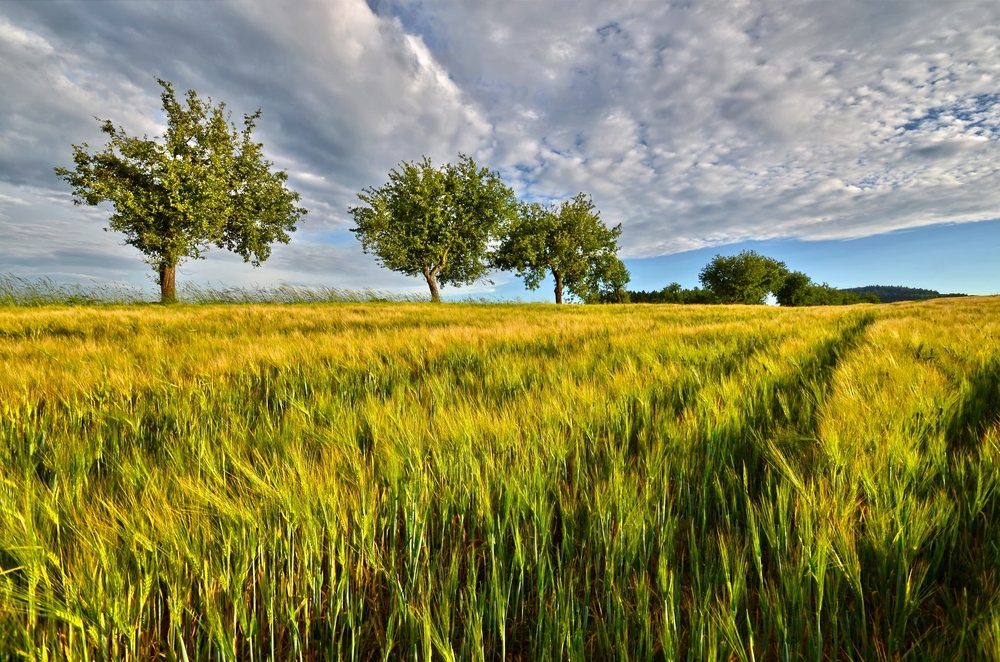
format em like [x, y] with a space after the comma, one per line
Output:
[805, 127]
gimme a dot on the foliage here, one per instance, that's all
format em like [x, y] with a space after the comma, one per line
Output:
[606, 280]
[673, 293]
[521, 482]
[893, 293]
[794, 289]
[747, 278]
[744, 278]
[797, 289]
[434, 222]
[571, 243]
[203, 183]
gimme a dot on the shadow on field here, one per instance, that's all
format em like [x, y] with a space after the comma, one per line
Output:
[779, 426]
[978, 409]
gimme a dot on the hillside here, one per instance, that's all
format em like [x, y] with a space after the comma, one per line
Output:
[894, 293]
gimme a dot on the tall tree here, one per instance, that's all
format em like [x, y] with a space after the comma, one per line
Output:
[203, 183]
[434, 222]
[570, 242]
[744, 278]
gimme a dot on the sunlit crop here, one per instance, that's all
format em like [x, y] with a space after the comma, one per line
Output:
[376, 480]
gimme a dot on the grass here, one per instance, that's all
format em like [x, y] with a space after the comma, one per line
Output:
[383, 480]
[26, 292]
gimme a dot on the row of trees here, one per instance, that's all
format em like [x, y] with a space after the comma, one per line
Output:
[206, 183]
[455, 223]
[748, 278]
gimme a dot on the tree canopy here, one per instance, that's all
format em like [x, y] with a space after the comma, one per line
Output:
[203, 183]
[435, 222]
[798, 289]
[570, 242]
[673, 293]
[794, 289]
[744, 278]
[892, 293]
[748, 278]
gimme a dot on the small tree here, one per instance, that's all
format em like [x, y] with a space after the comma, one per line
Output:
[674, 293]
[571, 243]
[203, 183]
[744, 278]
[798, 289]
[607, 280]
[794, 290]
[434, 222]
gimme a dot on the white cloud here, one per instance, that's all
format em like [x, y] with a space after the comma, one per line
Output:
[692, 123]
[697, 123]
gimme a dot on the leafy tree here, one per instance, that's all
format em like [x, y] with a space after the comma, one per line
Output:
[744, 278]
[698, 295]
[643, 296]
[571, 243]
[434, 222]
[673, 293]
[203, 183]
[607, 280]
[794, 290]
[727, 278]
[798, 289]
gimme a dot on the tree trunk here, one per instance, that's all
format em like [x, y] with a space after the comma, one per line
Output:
[168, 282]
[559, 286]
[432, 283]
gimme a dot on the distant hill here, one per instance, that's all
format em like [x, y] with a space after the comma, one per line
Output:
[891, 293]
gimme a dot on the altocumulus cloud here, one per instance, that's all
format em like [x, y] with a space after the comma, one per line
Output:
[692, 123]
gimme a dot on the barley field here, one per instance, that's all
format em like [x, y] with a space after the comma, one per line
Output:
[387, 480]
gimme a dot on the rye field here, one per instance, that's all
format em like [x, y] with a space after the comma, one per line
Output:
[403, 480]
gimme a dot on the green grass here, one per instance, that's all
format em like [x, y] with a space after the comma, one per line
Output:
[388, 479]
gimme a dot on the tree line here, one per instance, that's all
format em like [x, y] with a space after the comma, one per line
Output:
[455, 223]
[748, 278]
[893, 293]
[206, 183]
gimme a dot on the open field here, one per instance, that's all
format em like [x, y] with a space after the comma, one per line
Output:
[377, 480]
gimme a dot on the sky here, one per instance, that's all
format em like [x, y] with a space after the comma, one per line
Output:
[857, 141]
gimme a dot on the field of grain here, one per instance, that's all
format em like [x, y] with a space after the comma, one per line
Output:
[370, 481]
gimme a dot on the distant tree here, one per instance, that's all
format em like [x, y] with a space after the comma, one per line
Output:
[727, 278]
[435, 222]
[571, 243]
[643, 296]
[893, 293]
[797, 289]
[698, 295]
[672, 293]
[744, 278]
[203, 183]
[794, 289]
